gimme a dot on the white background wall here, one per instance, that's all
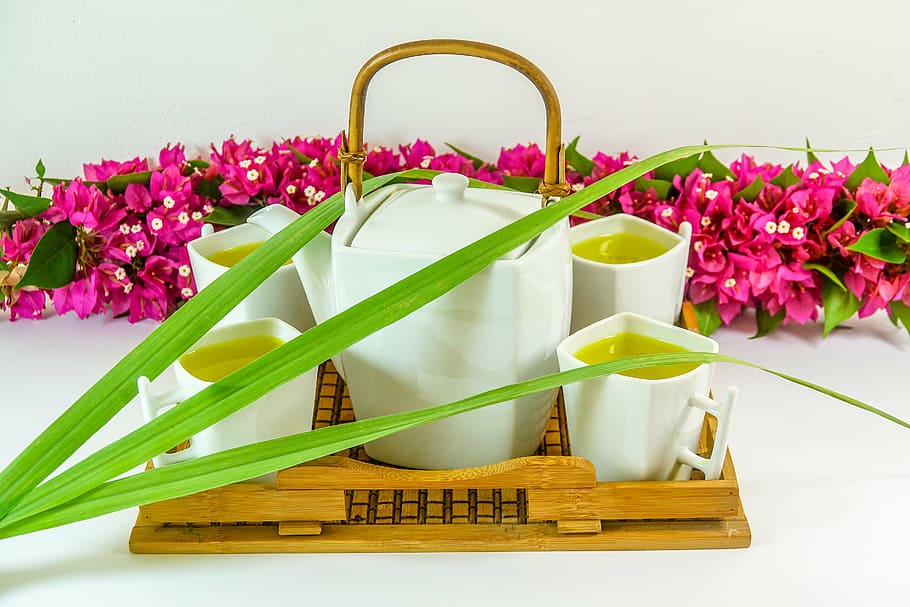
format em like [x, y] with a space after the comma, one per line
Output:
[83, 80]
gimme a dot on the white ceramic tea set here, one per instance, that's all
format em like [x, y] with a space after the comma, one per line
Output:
[509, 323]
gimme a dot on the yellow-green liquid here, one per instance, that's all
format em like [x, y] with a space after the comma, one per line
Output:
[618, 248]
[229, 257]
[632, 344]
[211, 363]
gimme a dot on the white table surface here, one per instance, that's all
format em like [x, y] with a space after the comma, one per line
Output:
[825, 488]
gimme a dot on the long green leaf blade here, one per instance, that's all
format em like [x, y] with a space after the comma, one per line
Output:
[164, 345]
[317, 344]
[99, 404]
[253, 460]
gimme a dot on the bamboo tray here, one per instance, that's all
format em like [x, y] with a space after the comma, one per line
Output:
[346, 503]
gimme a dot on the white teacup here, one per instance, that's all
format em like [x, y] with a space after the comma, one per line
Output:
[286, 410]
[280, 296]
[652, 287]
[635, 429]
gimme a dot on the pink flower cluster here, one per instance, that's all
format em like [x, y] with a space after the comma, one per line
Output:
[748, 254]
[131, 254]
[750, 249]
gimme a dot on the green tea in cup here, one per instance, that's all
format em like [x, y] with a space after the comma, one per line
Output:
[621, 247]
[232, 256]
[624, 263]
[622, 345]
[213, 362]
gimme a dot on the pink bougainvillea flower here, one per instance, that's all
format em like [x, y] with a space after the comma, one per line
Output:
[452, 163]
[643, 204]
[417, 155]
[28, 302]
[666, 215]
[109, 168]
[522, 161]
[171, 156]
[864, 275]
[137, 198]
[381, 161]
[798, 292]
[19, 244]
[489, 174]
[900, 190]
[81, 296]
[606, 165]
[323, 150]
[881, 293]
[706, 204]
[83, 206]
[182, 286]
[132, 241]
[708, 256]
[245, 172]
[25, 302]
[874, 200]
[746, 170]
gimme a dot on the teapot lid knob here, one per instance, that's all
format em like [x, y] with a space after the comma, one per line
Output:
[450, 187]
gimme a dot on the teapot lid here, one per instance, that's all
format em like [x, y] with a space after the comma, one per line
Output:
[443, 218]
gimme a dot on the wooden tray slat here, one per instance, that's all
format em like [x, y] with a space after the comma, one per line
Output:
[630, 535]
[522, 472]
[245, 502]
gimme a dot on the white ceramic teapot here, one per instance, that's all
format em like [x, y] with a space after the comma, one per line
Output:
[499, 327]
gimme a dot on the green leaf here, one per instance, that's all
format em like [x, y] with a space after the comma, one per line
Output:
[582, 164]
[19, 496]
[27, 205]
[681, 167]
[765, 322]
[843, 209]
[521, 184]
[786, 179]
[906, 158]
[209, 188]
[751, 193]
[901, 311]
[708, 163]
[231, 216]
[880, 244]
[39, 169]
[241, 463]
[869, 168]
[587, 215]
[661, 187]
[900, 230]
[4, 266]
[198, 163]
[810, 155]
[53, 262]
[707, 316]
[826, 272]
[117, 184]
[840, 304]
[477, 162]
[303, 158]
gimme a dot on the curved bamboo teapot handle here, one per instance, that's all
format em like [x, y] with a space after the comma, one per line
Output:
[351, 154]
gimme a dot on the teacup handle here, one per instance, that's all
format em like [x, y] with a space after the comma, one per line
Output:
[151, 405]
[723, 410]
